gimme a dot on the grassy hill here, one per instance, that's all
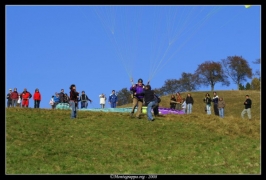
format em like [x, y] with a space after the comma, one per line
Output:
[44, 141]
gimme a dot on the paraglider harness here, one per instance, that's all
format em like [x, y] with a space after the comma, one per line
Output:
[132, 92]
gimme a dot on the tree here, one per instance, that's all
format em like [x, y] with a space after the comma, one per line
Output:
[257, 73]
[170, 86]
[124, 97]
[248, 86]
[255, 84]
[158, 91]
[241, 87]
[188, 82]
[210, 73]
[237, 68]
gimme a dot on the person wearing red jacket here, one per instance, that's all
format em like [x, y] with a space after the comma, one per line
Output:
[37, 98]
[14, 97]
[25, 96]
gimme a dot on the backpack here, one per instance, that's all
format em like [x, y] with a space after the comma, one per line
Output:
[157, 98]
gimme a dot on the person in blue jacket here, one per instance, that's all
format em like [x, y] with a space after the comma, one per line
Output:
[56, 99]
[113, 99]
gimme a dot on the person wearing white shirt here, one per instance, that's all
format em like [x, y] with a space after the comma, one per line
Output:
[102, 100]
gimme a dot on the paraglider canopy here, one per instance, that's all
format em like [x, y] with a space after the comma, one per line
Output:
[247, 6]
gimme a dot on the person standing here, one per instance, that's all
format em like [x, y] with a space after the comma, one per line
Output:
[150, 100]
[179, 100]
[113, 99]
[208, 101]
[84, 100]
[56, 99]
[184, 106]
[137, 89]
[62, 96]
[189, 102]
[102, 100]
[172, 102]
[215, 100]
[221, 106]
[19, 100]
[9, 100]
[14, 97]
[247, 103]
[37, 98]
[73, 102]
[52, 102]
[25, 98]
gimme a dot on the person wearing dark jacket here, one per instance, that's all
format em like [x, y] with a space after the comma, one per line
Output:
[215, 100]
[113, 100]
[73, 100]
[247, 109]
[9, 100]
[208, 101]
[189, 102]
[84, 100]
[62, 96]
[149, 98]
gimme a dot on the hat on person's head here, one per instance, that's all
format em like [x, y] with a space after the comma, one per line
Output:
[140, 81]
[10, 89]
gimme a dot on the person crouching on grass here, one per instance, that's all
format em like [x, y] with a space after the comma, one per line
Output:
[149, 100]
[73, 102]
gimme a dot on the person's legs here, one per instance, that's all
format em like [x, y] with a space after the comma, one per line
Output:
[249, 113]
[149, 114]
[14, 102]
[140, 103]
[9, 103]
[86, 104]
[243, 113]
[73, 109]
[114, 105]
[208, 107]
[82, 104]
[222, 112]
[156, 110]
[26, 103]
[216, 111]
[135, 102]
[189, 108]
[38, 103]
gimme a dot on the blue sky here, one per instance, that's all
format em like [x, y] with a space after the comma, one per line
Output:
[99, 48]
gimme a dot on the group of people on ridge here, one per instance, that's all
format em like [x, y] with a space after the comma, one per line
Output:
[15, 99]
[182, 104]
[142, 95]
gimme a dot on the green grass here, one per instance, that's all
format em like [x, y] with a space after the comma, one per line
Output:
[40, 141]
